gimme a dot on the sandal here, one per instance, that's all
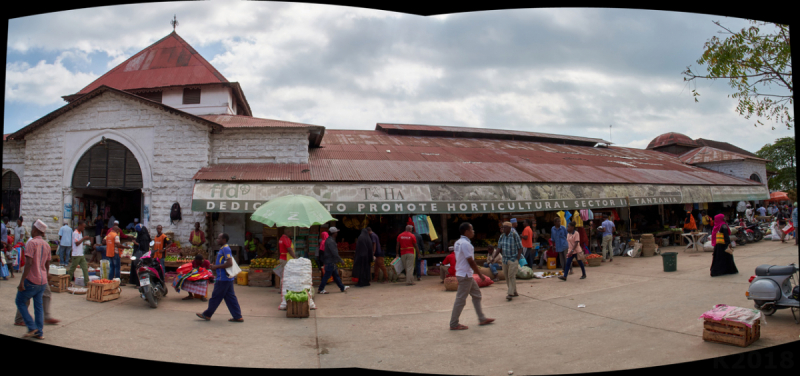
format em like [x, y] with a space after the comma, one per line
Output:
[203, 299]
[31, 334]
[459, 327]
[508, 297]
[200, 315]
[188, 298]
[241, 319]
[486, 322]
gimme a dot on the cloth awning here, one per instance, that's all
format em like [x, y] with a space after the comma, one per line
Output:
[340, 198]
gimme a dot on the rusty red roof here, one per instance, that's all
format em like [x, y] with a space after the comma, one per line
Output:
[723, 146]
[457, 132]
[375, 156]
[707, 154]
[168, 62]
[5, 136]
[670, 139]
[241, 121]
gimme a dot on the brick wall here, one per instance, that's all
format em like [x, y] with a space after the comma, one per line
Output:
[249, 145]
[740, 169]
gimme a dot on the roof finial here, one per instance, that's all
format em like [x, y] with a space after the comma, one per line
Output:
[174, 22]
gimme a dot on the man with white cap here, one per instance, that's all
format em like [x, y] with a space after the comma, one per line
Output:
[33, 283]
[331, 258]
[132, 225]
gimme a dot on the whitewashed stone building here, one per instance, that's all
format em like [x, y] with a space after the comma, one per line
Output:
[142, 131]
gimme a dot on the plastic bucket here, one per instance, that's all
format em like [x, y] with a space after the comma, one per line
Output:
[670, 261]
[551, 263]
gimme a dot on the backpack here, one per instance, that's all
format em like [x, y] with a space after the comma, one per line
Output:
[175, 213]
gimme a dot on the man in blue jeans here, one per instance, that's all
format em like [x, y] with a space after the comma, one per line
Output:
[34, 281]
[223, 287]
[330, 258]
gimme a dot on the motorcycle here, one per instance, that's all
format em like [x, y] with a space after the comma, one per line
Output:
[151, 282]
[737, 233]
[775, 287]
[751, 231]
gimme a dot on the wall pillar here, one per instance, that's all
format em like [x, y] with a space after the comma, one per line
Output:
[67, 211]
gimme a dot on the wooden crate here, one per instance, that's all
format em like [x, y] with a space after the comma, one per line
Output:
[297, 309]
[731, 332]
[58, 283]
[260, 283]
[346, 276]
[100, 292]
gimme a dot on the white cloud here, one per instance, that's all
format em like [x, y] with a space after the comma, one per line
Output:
[44, 83]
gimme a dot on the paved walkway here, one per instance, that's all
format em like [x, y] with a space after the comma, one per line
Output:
[636, 315]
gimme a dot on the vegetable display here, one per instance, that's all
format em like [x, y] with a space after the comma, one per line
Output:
[593, 256]
[269, 263]
[102, 281]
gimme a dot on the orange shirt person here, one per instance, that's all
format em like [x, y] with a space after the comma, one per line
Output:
[159, 242]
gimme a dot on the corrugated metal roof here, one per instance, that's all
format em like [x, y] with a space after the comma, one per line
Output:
[362, 156]
[671, 138]
[412, 129]
[707, 154]
[168, 62]
[723, 146]
[241, 121]
[5, 136]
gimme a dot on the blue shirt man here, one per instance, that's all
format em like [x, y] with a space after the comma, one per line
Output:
[64, 244]
[608, 227]
[559, 235]
[223, 286]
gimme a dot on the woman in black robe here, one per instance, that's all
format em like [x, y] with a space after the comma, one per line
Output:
[722, 262]
[361, 264]
[140, 246]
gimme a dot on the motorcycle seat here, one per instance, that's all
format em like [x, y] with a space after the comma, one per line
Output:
[767, 270]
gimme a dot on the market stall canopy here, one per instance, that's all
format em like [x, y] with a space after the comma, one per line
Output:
[292, 211]
[348, 198]
[778, 196]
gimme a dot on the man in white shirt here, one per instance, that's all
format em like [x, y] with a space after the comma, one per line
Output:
[64, 244]
[465, 267]
[78, 258]
[748, 214]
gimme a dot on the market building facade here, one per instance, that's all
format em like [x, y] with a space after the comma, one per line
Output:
[165, 127]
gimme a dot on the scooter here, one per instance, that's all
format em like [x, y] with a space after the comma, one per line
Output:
[775, 287]
[151, 284]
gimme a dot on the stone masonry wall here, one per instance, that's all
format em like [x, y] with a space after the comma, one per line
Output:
[13, 152]
[740, 169]
[264, 145]
[181, 148]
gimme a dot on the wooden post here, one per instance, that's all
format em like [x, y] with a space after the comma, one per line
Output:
[445, 241]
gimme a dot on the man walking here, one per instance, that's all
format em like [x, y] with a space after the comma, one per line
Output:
[323, 238]
[331, 258]
[78, 258]
[558, 234]
[34, 281]
[64, 244]
[223, 286]
[510, 246]
[465, 267]
[608, 229]
[378, 253]
[527, 241]
[794, 222]
[407, 248]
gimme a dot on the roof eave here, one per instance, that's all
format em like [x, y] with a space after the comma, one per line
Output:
[20, 134]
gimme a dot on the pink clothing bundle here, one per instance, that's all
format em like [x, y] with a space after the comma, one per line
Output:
[724, 312]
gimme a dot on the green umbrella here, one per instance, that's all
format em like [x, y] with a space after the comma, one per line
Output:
[292, 211]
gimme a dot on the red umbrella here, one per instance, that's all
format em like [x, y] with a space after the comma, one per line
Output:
[778, 196]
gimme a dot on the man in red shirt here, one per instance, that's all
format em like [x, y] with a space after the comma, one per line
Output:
[33, 282]
[407, 248]
[448, 268]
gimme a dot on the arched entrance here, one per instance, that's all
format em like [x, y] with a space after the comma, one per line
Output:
[11, 197]
[106, 182]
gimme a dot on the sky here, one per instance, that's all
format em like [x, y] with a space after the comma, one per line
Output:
[571, 71]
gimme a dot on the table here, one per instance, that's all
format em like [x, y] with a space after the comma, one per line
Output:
[693, 239]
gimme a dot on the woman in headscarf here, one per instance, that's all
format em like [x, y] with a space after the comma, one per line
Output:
[141, 246]
[361, 264]
[722, 261]
[689, 224]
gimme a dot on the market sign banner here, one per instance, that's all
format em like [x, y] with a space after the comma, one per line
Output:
[341, 198]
